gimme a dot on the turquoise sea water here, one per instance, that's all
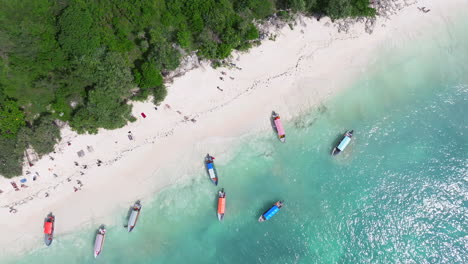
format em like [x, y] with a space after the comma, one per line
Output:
[398, 194]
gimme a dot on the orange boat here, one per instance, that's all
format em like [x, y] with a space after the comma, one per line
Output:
[49, 229]
[221, 204]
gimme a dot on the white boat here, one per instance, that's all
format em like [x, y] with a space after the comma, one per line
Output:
[99, 242]
[343, 143]
[132, 220]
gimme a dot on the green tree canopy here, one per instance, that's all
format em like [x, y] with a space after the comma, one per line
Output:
[11, 118]
[83, 61]
[78, 33]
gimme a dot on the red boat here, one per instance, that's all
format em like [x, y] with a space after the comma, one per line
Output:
[221, 204]
[49, 229]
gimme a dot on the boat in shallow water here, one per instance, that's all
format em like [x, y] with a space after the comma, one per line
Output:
[271, 212]
[49, 223]
[221, 204]
[343, 143]
[211, 169]
[132, 220]
[99, 242]
[278, 126]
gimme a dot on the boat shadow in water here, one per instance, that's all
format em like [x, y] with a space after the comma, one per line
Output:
[206, 168]
[215, 203]
[272, 123]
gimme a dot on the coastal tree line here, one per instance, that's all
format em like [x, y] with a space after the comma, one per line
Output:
[82, 61]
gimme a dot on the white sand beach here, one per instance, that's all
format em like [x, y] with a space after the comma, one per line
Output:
[295, 72]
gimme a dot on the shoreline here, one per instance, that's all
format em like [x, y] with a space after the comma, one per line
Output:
[296, 72]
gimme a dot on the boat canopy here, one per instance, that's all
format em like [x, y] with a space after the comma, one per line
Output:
[98, 243]
[212, 173]
[221, 205]
[344, 143]
[48, 228]
[132, 219]
[271, 212]
[279, 127]
[209, 165]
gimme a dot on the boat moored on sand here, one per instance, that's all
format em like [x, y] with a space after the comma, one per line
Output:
[49, 223]
[271, 212]
[99, 242]
[343, 143]
[211, 169]
[221, 204]
[278, 126]
[132, 220]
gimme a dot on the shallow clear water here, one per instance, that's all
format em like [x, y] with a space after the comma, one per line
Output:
[398, 194]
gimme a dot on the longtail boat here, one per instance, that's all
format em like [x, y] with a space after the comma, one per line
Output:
[278, 126]
[211, 169]
[99, 242]
[221, 204]
[343, 143]
[49, 223]
[132, 220]
[271, 212]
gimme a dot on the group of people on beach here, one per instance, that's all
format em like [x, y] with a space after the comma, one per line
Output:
[68, 143]
[222, 79]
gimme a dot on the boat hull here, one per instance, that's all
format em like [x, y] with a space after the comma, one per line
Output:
[335, 151]
[215, 181]
[220, 217]
[48, 240]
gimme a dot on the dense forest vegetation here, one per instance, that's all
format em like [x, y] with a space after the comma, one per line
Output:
[82, 61]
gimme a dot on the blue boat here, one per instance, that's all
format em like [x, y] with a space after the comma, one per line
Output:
[211, 169]
[271, 212]
[343, 143]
